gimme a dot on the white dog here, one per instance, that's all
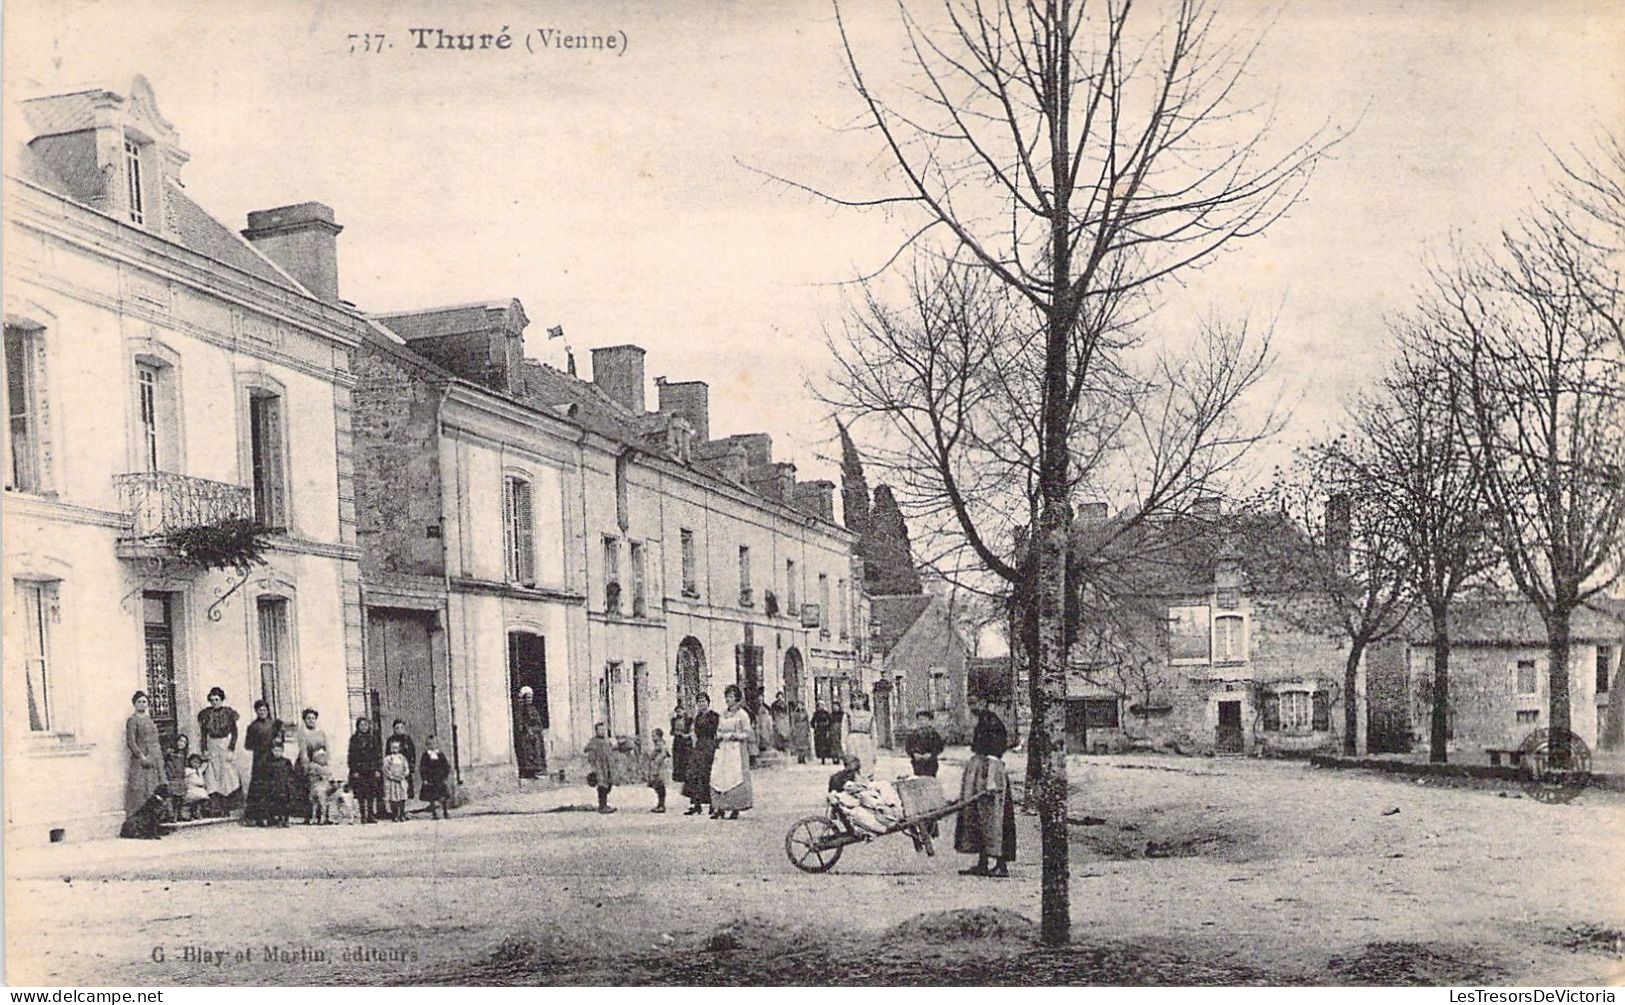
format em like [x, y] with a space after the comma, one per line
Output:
[341, 805]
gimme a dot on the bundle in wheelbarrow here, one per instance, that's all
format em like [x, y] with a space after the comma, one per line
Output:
[866, 810]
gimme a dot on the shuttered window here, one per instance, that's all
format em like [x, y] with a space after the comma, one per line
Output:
[269, 465]
[274, 653]
[37, 602]
[519, 526]
[25, 470]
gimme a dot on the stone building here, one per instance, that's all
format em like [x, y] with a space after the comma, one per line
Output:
[919, 665]
[463, 494]
[1500, 677]
[1202, 647]
[163, 374]
[614, 558]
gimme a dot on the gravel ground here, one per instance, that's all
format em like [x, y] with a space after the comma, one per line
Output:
[1185, 871]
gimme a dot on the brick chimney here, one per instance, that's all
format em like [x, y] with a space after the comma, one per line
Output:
[817, 498]
[303, 240]
[617, 370]
[690, 399]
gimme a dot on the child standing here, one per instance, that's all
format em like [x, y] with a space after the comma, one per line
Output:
[317, 776]
[433, 772]
[601, 759]
[284, 790]
[659, 761]
[175, 771]
[397, 769]
[196, 795]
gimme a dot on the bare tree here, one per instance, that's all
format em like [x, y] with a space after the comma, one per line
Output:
[1078, 154]
[1410, 452]
[1539, 358]
[1343, 551]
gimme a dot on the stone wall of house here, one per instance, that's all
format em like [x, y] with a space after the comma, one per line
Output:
[1488, 708]
[397, 466]
[930, 645]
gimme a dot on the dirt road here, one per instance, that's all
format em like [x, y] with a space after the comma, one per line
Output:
[1197, 871]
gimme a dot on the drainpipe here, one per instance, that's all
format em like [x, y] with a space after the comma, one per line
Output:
[445, 580]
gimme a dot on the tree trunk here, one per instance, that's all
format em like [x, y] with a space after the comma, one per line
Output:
[1558, 713]
[1439, 721]
[1351, 697]
[1035, 696]
[1047, 743]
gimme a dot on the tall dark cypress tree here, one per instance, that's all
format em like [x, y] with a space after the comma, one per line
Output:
[854, 487]
[888, 559]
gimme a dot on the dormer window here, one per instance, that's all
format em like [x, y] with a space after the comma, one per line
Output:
[132, 178]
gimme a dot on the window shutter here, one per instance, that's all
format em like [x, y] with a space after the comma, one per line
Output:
[1322, 712]
[276, 472]
[524, 533]
[1272, 713]
[509, 545]
[40, 428]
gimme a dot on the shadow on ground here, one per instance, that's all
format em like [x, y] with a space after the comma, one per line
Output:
[975, 946]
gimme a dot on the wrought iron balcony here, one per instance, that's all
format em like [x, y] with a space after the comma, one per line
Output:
[158, 502]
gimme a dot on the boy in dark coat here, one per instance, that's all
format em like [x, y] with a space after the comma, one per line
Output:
[924, 746]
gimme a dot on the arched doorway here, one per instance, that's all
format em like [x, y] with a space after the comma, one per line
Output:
[690, 671]
[793, 677]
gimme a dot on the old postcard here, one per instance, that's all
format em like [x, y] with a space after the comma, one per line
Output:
[970, 492]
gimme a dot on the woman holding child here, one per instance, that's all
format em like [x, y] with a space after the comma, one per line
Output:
[262, 738]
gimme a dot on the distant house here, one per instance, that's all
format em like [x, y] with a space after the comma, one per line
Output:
[1202, 644]
[919, 662]
[1500, 676]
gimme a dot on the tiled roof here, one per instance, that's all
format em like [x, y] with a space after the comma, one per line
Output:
[196, 230]
[890, 618]
[1517, 622]
[62, 113]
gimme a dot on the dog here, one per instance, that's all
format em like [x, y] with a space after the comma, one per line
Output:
[339, 807]
[146, 822]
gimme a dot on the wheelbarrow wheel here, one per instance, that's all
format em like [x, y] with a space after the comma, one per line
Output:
[810, 844]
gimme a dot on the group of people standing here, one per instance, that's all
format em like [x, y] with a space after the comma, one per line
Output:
[838, 732]
[711, 754]
[209, 783]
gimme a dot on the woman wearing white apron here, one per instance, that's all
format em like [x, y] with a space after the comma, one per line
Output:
[860, 737]
[730, 771]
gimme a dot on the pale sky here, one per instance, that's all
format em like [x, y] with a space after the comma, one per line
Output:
[607, 191]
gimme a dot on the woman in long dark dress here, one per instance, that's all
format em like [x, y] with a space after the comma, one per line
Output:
[681, 743]
[146, 773]
[820, 728]
[987, 828]
[261, 739]
[697, 786]
[366, 769]
[532, 752]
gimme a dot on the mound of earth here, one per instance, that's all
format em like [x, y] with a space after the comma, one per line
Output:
[1411, 964]
[964, 923]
